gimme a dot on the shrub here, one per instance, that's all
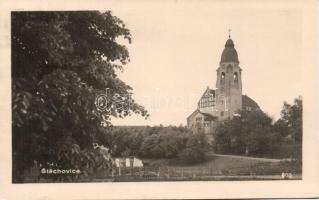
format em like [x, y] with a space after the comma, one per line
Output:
[192, 155]
[195, 149]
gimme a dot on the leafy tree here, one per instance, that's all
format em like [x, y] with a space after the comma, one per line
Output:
[60, 62]
[222, 138]
[150, 147]
[253, 133]
[291, 117]
[248, 134]
[195, 149]
[280, 127]
[146, 142]
[257, 128]
[289, 126]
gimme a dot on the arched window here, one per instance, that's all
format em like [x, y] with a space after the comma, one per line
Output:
[236, 77]
[222, 77]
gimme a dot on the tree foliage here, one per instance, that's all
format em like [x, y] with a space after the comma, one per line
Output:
[195, 149]
[291, 119]
[254, 133]
[60, 62]
[244, 134]
[156, 142]
[146, 142]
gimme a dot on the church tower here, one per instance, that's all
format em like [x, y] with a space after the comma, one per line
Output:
[226, 100]
[228, 83]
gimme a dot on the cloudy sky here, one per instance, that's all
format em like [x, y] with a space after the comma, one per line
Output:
[177, 47]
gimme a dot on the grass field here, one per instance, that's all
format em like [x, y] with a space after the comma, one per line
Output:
[214, 160]
[229, 164]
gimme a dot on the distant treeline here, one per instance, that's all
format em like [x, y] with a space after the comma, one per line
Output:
[155, 142]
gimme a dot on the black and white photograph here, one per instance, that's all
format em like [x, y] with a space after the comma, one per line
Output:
[158, 92]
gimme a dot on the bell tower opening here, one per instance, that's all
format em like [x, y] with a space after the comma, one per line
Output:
[222, 77]
[235, 77]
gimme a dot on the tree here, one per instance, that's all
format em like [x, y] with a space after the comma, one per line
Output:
[60, 62]
[257, 129]
[195, 149]
[222, 138]
[150, 147]
[247, 134]
[291, 117]
[289, 126]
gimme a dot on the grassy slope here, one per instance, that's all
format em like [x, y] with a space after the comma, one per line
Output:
[216, 160]
[221, 164]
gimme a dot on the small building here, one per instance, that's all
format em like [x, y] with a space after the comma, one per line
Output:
[128, 162]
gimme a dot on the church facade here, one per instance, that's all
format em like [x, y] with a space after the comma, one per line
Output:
[226, 100]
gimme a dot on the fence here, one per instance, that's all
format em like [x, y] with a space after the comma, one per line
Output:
[185, 173]
[169, 173]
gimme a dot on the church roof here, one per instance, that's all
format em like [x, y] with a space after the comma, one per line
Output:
[209, 116]
[249, 102]
[229, 54]
[206, 115]
[209, 92]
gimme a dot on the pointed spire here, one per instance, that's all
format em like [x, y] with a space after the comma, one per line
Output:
[229, 30]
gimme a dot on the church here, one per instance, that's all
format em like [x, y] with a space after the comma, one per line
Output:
[226, 100]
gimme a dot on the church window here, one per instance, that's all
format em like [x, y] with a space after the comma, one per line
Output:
[222, 113]
[222, 78]
[235, 77]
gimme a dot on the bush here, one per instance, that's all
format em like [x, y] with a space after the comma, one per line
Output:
[195, 149]
[192, 155]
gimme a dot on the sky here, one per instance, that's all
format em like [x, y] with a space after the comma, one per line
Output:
[176, 49]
